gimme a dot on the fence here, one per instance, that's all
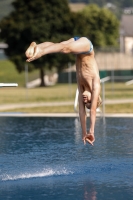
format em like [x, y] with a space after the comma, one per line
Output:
[110, 62]
[117, 61]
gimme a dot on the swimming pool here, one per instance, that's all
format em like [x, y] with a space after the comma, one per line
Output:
[44, 158]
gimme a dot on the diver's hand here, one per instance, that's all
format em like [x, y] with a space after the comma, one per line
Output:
[89, 138]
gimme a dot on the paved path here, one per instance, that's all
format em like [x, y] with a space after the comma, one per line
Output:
[32, 105]
[118, 101]
[4, 107]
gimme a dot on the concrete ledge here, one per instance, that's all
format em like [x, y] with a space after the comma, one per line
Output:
[15, 114]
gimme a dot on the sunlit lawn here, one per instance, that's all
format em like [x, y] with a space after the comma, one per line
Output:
[63, 93]
[118, 91]
[57, 93]
[60, 92]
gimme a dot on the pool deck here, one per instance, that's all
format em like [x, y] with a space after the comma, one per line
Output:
[15, 114]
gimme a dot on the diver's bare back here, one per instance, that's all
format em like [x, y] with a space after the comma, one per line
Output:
[87, 71]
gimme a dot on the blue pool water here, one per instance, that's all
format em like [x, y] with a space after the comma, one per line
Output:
[44, 159]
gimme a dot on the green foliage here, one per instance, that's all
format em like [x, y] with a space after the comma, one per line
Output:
[103, 26]
[8, 74]
[40, 21]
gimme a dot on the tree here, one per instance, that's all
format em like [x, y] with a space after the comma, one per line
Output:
[36, 20]
[43, 20]
[103, 26]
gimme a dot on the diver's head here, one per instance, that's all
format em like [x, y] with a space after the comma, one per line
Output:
[87, 99]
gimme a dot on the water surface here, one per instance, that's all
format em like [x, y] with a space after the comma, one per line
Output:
[44, 158]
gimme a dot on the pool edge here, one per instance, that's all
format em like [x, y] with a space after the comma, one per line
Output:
[4, 114]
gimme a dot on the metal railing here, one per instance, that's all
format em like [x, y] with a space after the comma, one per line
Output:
[76, 100]
[103, 80]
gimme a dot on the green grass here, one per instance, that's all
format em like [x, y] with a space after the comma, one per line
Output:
[57, 93]
[118, 91]
[9, 74]
[46, 94]
[119, 108]
[55, 109]
[62, 92]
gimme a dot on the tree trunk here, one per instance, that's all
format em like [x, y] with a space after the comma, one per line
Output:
[42, 77]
